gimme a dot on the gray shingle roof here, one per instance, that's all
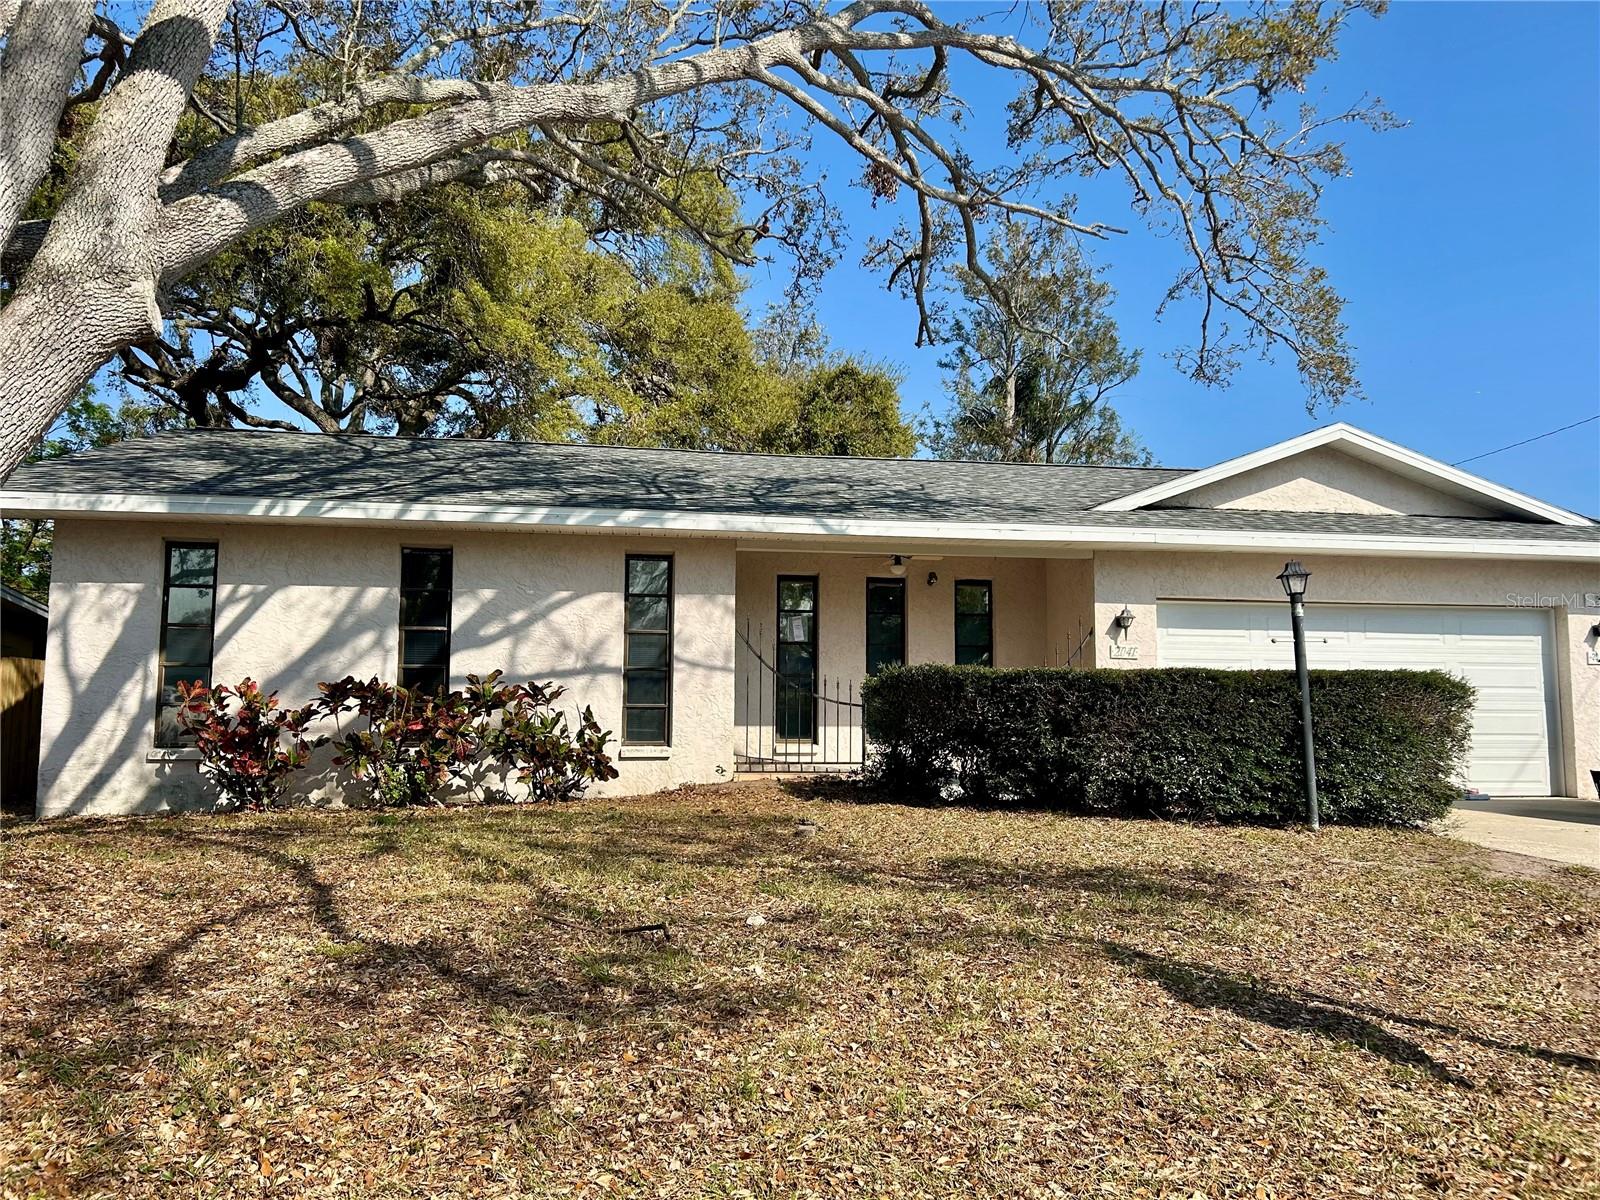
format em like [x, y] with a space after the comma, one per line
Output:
[1373, 524]
[535, 474]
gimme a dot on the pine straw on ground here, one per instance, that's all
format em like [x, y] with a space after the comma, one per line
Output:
[911, 1002]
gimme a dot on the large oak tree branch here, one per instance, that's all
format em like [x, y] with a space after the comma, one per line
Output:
[1169, 99]
[37, 68]
[91, 288]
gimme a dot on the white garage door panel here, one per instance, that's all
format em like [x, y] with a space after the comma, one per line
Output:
[1502, 652]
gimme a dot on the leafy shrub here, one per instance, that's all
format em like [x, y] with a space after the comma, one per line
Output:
[248, 745]
[414, 744]
[1176, 742]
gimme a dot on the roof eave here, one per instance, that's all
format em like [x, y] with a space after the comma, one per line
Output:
[1039, 537]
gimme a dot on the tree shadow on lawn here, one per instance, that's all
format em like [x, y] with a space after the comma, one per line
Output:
[1300, 1011]
[382, 963]
[375, 963]
[769, 842]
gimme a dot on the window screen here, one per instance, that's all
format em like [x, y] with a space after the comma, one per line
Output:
[425, 582]
[188, 612]
[647, 655]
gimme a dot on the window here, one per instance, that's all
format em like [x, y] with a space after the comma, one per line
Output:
[886, 623]
[188, 612]
[975, 622]
[425, 582]
[796, 702]
[647, 653]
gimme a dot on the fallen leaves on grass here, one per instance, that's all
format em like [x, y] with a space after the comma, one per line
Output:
[909, 1002]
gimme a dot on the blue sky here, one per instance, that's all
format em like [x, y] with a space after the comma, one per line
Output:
[1467, 245]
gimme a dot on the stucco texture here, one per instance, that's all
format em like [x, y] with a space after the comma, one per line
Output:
[301, 604]
[1327, 480]
[1139, 580]
[298, 605]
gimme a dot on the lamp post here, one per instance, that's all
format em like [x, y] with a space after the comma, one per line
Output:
[1294, 578]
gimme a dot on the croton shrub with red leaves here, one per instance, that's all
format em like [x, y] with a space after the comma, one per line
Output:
[248, 745]
[415, 747]
[402, 747]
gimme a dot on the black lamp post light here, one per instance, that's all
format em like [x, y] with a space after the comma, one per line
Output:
[1294, 578]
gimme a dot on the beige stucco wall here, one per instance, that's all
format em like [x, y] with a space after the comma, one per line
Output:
[301, 604]
[1069, 612]
[1140, 579]
[1328, 480]
[296, 605]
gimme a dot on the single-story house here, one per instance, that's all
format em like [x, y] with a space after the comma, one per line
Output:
[691, 597]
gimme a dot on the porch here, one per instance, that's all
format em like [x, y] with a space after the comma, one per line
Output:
[811, 626]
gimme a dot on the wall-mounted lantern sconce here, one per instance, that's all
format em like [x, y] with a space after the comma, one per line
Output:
[933, 578]
[1125, 618]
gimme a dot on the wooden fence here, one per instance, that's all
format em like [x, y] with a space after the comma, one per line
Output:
[21, 704]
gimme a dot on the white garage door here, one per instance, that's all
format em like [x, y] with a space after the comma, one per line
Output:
[1503, 652]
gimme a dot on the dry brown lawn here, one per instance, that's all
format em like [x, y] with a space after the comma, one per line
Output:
[912, 1002]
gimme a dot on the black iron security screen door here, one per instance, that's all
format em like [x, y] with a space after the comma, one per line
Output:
[796, 708]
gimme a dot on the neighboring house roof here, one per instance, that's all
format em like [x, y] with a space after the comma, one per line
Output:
[1360, 444]
[26, 603]
[319, 477]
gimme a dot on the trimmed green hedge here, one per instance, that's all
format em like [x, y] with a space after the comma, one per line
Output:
[1177, 742]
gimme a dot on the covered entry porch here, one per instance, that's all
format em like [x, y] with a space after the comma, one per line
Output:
[813, 624]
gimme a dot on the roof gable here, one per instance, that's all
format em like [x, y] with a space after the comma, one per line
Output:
[1342, 469]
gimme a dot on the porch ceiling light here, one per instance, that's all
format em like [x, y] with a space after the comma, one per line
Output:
[897, 565]
[1294, 578]
[1125, 617]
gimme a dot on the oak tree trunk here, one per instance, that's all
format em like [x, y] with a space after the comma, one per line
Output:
[92, 287]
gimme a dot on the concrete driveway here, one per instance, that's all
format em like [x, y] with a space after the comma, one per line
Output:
[1545, 827]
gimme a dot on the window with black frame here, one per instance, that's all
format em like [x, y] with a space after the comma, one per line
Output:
[886, 623]
[974, 622]
[425, 585]
[796, 684]
[188, 617]
[647, 653]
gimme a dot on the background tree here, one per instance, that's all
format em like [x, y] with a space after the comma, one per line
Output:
[1034, 356]
[454, 312]
[87, 424]
[1174, 103]
[848, 407]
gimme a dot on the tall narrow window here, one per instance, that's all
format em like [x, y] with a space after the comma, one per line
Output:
[647, 653]
[886, 623]
[188, 612]
[425, 582]
[975, 622]
[796, 700]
